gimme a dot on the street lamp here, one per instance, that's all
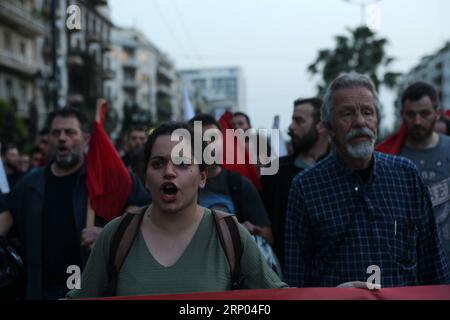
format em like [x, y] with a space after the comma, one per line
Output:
[363, 5]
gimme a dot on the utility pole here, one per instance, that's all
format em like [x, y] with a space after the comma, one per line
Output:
[54, 76]
[362, 5]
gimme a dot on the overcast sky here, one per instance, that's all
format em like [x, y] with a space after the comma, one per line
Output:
[274, 41]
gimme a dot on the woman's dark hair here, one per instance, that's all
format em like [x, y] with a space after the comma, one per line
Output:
[206, 119]
[68, 113]
[247, 118]
[418, 90]
[316, 104]
[446, 121]
[167, 129]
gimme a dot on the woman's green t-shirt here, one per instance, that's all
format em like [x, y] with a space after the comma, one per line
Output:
[203, 267]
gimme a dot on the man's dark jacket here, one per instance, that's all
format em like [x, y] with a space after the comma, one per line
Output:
[26, 204]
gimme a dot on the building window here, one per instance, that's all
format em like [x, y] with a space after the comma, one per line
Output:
[93, 25]
[199, 84]
[9, 89]
[23, 49]
[23, 94]
[129, 52]
[130, 74]
[86, 22]
[108, 63]
[8, 44]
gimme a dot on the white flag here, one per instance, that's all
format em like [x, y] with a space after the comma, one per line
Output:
[187, 105]
[4, 185]
[282, 151]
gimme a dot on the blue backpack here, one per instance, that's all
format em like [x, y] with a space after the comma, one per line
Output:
[234, 181]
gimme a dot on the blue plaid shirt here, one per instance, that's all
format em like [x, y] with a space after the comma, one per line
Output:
[337, 226]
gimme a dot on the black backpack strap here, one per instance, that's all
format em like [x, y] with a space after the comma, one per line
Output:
[234, 181]
[230, 239]
[121, 243]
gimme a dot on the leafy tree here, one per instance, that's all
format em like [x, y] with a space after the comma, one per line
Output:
[133, 116]
[363, 51]
[12, 128]
[164, 109]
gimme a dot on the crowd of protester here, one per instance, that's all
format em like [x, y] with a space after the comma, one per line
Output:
[338, 204]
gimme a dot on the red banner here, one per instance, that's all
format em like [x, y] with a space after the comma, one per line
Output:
[108, 181]
[401, 293]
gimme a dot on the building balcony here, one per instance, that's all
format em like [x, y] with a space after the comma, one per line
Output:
[74, 59]
[21, 19]
[108, 74]
[164, 90]
[46, 13]
[99, 2]
[130, 63]
[106, 47]
[17, 63]
[92, 37]
[23, 109]
[75, 98]
[129, 83]
[47, 51]
[165, 74]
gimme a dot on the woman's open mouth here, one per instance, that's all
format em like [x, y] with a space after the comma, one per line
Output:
[168, 191]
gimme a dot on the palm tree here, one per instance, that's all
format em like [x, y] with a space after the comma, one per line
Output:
[362, 52]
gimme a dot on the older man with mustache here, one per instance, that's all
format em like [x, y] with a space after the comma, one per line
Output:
[360, 211]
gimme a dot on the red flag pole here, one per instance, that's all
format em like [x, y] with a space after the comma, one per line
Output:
[90, 219]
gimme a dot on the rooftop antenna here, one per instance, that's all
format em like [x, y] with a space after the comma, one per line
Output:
[370, 12]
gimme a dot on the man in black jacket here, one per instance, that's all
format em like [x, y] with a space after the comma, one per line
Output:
[309, 141]
[49, 207]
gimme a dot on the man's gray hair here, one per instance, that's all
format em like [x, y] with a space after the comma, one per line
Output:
[346, 81]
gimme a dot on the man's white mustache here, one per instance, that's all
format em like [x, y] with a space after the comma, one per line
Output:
[360, 132]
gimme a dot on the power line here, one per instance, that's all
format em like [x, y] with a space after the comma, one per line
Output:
[169, 28]
[362, 7]
[186, 31]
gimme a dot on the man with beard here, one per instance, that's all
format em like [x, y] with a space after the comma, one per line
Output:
[228, 191]
[358, 211]
[134, 158]
[242, 121]
[429, 150]
[49, 207]
[309, 141]
[11, 161]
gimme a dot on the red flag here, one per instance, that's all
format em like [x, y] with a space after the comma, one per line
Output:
[393, 145]
[436, 292]
[108, 181]
[447, 114]
[247, 169]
